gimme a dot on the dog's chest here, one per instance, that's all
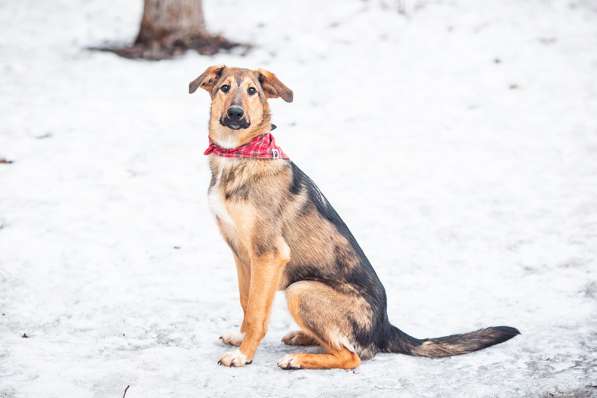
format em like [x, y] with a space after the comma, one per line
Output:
[216, 196]
[217, 205]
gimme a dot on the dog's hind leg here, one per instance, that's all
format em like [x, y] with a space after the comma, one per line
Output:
[328, 316]
[333, 359]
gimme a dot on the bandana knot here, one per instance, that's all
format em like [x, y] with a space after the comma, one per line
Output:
[261, 147]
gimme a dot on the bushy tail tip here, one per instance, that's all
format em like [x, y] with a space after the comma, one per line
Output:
[446, 346]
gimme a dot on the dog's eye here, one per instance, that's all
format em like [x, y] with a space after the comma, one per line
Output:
[251, 90]
[225, 88]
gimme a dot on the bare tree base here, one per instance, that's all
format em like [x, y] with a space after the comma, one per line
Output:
[168, 49]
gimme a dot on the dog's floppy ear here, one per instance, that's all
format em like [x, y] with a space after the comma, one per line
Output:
[207, 79]
[272, 86]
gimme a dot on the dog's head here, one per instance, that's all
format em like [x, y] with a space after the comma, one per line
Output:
[239, 108]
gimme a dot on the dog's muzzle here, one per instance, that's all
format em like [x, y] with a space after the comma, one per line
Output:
[235, 118]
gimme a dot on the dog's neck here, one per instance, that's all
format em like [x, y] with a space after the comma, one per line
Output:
[228, 173]
[234, 171]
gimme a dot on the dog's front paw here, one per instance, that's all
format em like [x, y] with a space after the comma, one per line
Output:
[289, 361]
[232, 338]
[234, 359]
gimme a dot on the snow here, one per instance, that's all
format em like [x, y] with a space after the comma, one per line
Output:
[458, 140]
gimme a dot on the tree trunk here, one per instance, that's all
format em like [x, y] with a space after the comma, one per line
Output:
[167, 21]
[169, 28]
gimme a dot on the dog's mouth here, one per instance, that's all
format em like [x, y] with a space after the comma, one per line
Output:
[237, 124]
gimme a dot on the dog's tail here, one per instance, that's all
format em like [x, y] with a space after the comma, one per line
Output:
[455, 344]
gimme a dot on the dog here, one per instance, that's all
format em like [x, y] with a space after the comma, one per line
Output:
[285, 235]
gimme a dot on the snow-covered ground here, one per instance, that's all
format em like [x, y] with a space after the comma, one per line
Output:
[477, 203]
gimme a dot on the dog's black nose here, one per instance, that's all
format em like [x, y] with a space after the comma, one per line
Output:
[235, 112]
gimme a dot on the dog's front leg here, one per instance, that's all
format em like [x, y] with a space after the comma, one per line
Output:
[266, 273]
[243, 271]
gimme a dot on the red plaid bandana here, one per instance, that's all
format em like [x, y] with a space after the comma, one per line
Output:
[261, 147]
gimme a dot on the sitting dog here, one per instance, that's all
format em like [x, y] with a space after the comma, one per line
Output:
[285, 235]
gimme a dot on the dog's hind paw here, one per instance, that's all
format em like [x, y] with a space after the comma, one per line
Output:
[298, 338]
[232, 338]
[289, 361]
